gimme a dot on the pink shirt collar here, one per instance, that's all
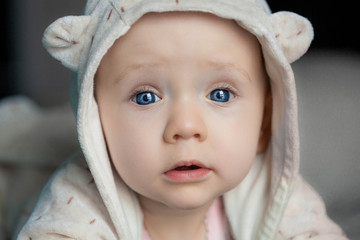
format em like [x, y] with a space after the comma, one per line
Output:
[216, 223]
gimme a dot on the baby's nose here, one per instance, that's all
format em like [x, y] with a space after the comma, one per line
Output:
[185, 121]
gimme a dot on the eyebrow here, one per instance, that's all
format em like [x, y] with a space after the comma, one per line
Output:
[224, 65]
[137, 67]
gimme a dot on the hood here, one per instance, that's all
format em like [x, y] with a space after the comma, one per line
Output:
[80, 42]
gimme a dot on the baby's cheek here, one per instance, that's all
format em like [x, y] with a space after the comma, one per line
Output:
[237, 170]
[233, 159]
[132, 169]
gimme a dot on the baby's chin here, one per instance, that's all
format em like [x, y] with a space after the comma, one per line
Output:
[185, 196]
[179, 202]
[191, 205]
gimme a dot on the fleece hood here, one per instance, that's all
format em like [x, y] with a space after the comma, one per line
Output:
[80, 42]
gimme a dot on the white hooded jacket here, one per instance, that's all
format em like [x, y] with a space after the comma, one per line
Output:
[86, 199]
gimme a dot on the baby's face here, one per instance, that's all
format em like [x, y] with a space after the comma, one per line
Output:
[181, 99]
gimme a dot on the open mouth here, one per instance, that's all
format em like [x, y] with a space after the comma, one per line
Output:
[185, 168]
[188, 171]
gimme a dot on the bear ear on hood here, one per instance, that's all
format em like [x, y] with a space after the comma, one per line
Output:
[64, 39]
[293, 32]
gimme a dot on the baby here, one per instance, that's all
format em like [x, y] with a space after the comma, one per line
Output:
[187, 120]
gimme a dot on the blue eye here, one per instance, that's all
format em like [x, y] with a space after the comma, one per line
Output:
[220, 95]
[146, 98]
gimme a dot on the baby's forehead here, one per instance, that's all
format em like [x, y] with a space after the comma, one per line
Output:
[158, 37]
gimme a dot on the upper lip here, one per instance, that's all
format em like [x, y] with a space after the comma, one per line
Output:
[191, 163]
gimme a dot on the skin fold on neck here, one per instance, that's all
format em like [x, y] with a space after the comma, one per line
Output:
[162, 222]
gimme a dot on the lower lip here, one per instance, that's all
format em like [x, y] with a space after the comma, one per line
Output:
[184, 176]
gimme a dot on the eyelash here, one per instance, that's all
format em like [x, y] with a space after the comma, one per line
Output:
[142, 89]
[222, 86]
[225, 86]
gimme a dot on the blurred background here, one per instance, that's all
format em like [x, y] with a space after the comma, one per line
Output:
[26, 68]
[328, 81]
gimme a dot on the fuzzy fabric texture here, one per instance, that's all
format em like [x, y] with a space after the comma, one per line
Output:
[110, 210]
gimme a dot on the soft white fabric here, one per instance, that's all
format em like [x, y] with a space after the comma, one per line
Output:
[110, 210]
[34, 141]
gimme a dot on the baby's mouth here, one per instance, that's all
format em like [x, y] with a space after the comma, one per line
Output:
[185, 168]
[187, 171]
